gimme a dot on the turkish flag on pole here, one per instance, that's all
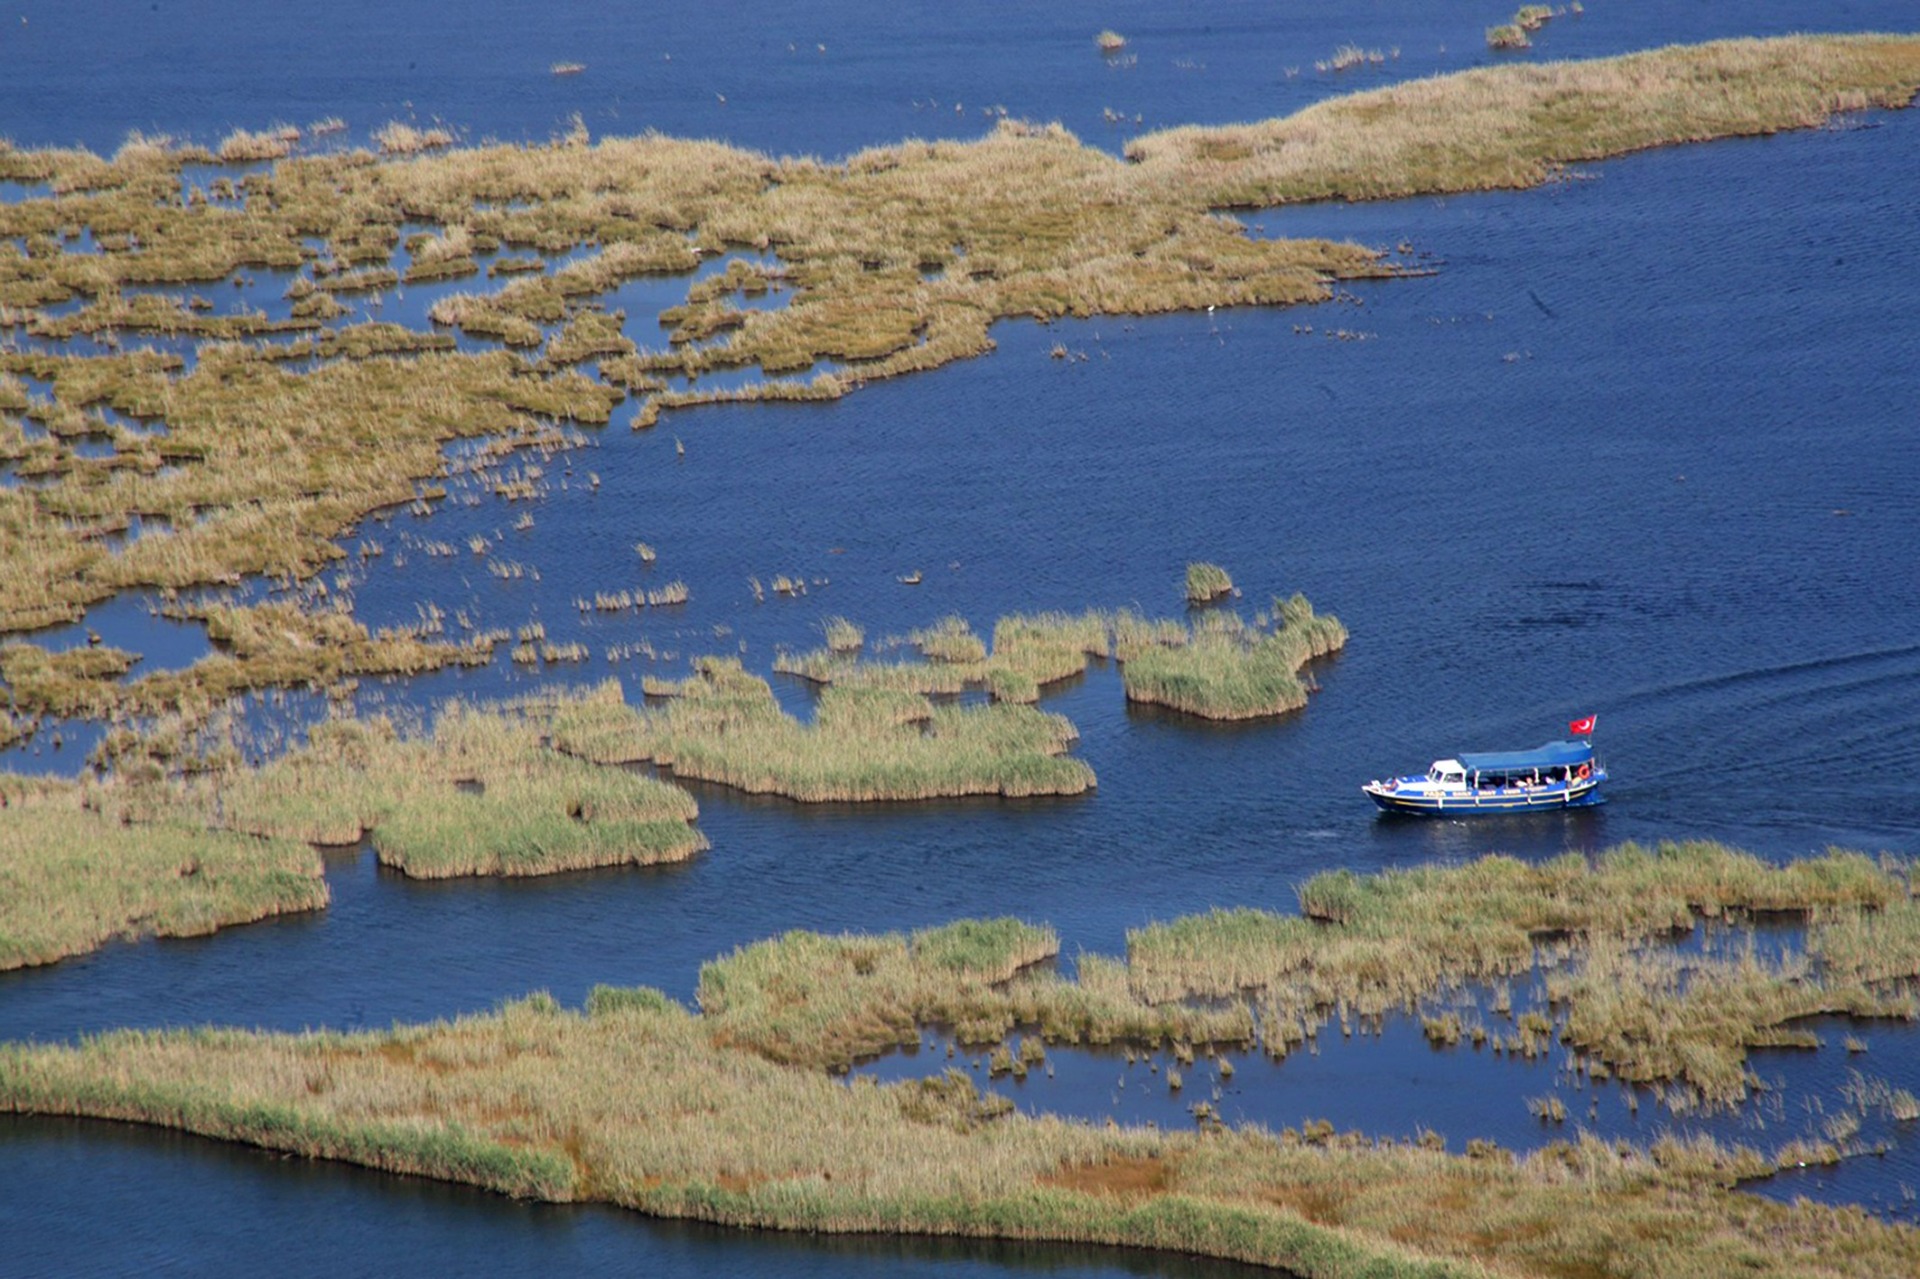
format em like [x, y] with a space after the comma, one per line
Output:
[1582, 725]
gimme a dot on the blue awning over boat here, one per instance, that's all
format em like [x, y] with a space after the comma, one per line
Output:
[1552, 755]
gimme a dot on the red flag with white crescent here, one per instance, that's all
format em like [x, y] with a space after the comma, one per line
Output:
[1582, 726]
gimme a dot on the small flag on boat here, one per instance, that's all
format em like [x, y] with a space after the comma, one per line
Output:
[1582, 725]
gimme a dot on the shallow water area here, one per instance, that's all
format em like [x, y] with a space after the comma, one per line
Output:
[1390, 1081]
[134, 623]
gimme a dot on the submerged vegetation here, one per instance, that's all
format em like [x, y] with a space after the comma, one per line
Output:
[728, 1115]
[254, 457]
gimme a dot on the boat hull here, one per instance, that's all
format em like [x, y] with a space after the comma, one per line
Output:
[1492, 801]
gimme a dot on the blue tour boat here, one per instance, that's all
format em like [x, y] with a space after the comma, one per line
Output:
[1557, 775]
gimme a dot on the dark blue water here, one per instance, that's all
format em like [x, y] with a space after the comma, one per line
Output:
[89, 72]
[1642, 447]
[181, 1205]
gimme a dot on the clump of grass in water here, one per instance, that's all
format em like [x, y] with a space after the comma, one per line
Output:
[241, 147]
[1528, 18]
[828, 1001]
[1226, 670]
[262, 646]
[1207, 582]
[950, 640]
[1348, 56]
[399, 138]
[843, 636]
[1220, 668]
[1029, 651]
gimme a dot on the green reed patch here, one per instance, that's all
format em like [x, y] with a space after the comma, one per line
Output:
[865, 744]
[1226, 670]
[73, 878]
[480, 796]
[1220, 667]
[1207, 582]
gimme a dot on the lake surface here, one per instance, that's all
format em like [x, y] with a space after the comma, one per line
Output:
[1642, 446]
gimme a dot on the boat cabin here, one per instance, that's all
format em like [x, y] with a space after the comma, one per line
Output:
[1556, 763]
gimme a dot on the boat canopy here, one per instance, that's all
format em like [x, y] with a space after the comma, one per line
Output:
[1552, 755]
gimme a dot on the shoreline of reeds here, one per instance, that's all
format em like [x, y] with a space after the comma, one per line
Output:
[479, 793]
[733, 1114]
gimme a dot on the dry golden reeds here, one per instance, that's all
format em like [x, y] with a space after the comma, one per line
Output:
[1024, 222]
[638, 1102]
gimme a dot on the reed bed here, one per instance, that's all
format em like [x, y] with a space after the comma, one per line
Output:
[481, 795]
[1527, 19]
[276, 645]
[843, 636]
[1029, 652]
[1365, 946]
[399, 138]
[232, 505]
[1515, 125]
[74, 877]
[639, 1103]
[1220, 668]
[828, 1001]
[240, 146]
[1227, 670]
[1652, 1016]
[372, 428]
[1023, 222]
[866, 744]
[1207, 582]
